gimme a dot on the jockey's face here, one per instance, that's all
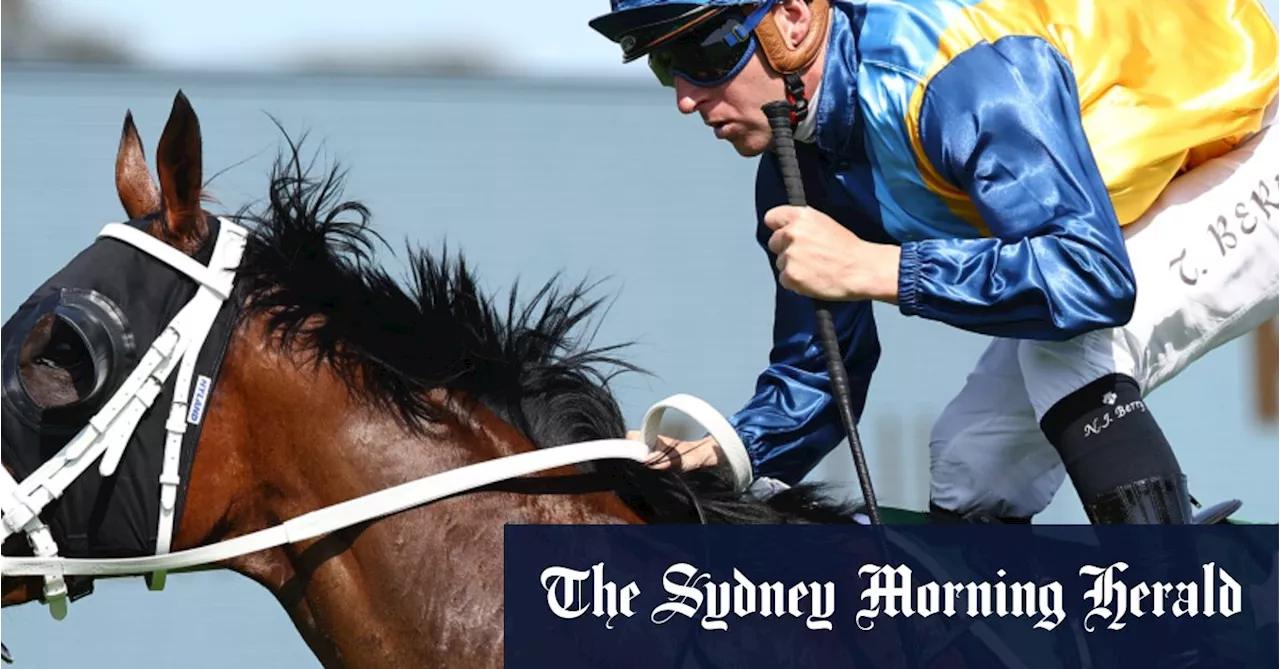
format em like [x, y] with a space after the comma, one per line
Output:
[733, 109]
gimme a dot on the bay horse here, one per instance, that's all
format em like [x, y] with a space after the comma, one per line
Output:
[336, 381]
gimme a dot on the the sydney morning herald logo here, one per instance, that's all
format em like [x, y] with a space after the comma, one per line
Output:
[1111, 600]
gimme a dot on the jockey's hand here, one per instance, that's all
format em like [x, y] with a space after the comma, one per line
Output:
[819, 258]
[684, 455]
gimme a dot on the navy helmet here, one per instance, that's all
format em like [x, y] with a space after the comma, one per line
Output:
[706, 42]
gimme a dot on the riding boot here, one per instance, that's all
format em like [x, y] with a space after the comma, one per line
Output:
[1166, 642]
[1159, 500]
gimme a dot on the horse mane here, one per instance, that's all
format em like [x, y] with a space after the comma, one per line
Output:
[309, 271]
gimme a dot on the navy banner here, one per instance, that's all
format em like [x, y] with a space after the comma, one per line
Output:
[900, 596]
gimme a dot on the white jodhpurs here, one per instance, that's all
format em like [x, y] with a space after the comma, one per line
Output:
[1205, 263]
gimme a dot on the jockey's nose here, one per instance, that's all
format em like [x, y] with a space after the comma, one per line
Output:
[687, 96]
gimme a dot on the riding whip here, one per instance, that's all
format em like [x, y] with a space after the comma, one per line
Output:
[779, 115]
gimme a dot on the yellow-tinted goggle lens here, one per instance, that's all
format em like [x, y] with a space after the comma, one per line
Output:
[660, 63]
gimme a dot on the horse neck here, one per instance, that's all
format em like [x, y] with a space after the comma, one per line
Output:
[411, 589]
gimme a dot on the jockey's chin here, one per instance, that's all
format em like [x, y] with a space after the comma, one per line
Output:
[749, 143]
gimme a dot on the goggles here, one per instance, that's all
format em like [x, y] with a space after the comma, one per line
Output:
[711, 50]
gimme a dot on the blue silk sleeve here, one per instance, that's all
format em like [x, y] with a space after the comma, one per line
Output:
[1001, 122]
[791, 422]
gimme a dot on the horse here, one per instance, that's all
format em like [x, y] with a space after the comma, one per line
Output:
[324, 379]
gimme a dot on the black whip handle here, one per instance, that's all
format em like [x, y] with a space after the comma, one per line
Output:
[779, 115]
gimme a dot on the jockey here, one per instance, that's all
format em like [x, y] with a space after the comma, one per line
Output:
[1086, 183]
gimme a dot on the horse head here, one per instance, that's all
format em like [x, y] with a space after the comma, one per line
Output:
[313, 379]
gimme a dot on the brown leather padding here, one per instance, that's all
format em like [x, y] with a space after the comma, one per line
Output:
[780, 55]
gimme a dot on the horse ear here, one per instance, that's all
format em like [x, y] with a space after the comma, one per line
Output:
[179, 164]
[137, 190]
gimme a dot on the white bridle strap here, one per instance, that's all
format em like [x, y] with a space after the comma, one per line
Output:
[227, 252]
[376, 505]
[736, 456]
[352, 512]
[42, 545]
[212, 279]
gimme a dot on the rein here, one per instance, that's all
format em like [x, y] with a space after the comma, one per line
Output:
[108, 433]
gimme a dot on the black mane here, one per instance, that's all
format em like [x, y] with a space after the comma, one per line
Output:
[309, 270]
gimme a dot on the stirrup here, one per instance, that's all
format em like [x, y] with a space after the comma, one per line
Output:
[1216, 514]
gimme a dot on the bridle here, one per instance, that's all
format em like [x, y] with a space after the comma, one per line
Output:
[107, 434]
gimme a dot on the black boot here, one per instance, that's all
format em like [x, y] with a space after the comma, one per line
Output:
[1170, 643]
[1159, 500]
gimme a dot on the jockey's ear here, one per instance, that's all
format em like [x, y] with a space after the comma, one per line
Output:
[794, 33]
[179, 163]
[794, 21]
[137, 190]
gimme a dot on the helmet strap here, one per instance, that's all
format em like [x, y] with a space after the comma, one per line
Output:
[796, 98]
